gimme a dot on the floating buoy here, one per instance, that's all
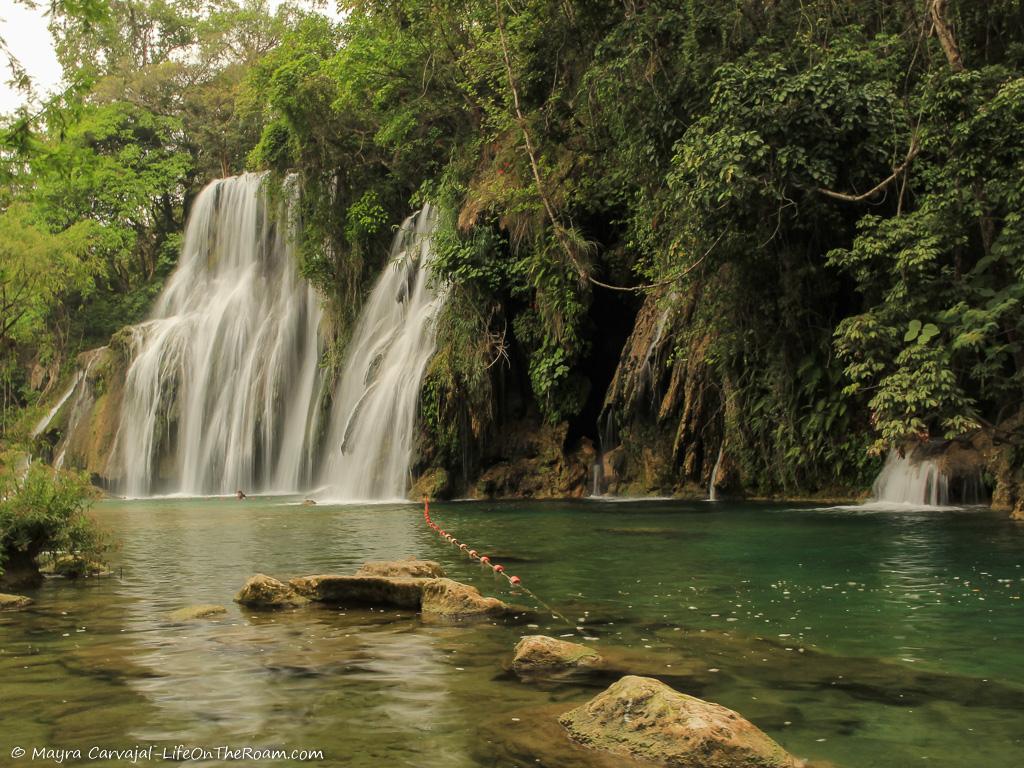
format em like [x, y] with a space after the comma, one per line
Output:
[485, 559]
[472, 553]
[514, 580]
[499, 568]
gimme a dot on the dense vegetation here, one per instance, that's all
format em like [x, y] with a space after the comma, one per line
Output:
[43, 511]
[805, 215]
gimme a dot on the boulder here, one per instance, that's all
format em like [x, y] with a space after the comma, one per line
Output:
[361, 590]
[539, 655]
[193, 612]
[14, 602]
[406, 569]
[264, 592]
[447, 599]
[643, 718]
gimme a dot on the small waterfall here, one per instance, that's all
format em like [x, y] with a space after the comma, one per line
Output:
[598, 472]
[375, 405]
[48, 418]
[912, 480]
[712, 488]
[221, 390]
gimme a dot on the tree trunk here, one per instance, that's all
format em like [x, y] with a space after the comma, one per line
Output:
[943, 31]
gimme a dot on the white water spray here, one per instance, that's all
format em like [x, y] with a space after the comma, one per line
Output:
[374, 419]
[221, 391]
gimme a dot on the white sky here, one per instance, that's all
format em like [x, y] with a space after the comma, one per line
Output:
[28, 38]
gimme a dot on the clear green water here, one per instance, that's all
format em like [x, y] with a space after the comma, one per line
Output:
[854, 638]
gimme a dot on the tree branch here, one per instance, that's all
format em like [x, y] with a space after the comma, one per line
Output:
[911, 154]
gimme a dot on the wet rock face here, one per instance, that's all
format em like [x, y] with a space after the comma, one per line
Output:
[265, 592]
[451, 600]
[408, 569]
[193, 612]
[541, 656]
[642, 718]
[14, 602]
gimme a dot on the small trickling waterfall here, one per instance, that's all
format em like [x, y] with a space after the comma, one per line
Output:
[712, 483]
[912, 480]
[222, 389]
[370, 442]
[48, 418]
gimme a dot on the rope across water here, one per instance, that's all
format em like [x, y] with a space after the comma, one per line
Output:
[472, 554]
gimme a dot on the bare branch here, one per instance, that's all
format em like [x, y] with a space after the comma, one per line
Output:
[911, 154]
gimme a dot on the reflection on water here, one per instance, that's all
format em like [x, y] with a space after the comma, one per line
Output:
[863, 639]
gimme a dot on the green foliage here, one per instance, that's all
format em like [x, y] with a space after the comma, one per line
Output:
[45, 511]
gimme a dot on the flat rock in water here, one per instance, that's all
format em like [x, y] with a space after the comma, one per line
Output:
[643, 718]
[408, 569]
[14, 602]
[452, 600]
[193, 612]
[361, 590]
[262, 591]
[539, 655]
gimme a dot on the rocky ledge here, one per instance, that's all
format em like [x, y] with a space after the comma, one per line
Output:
[542, 656]
[417, 585]
[14, 602]
[639, 717]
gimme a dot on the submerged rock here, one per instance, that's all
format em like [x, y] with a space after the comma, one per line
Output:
[14, 602]
[193, 612]
[643, 718]
[539, 655]
[361, 590]
[447, 599]
[75, 567]
[408, 569]
[265, 592]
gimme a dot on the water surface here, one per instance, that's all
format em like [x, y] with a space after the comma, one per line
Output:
[857, 637]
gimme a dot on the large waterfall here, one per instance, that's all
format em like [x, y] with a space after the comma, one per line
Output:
[370, 443]
[222, 390]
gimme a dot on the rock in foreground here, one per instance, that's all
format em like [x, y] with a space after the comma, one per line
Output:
[402, 569]
[193, 612]
[643, 718]
[14, 602]
[265, 592]
[539, 655]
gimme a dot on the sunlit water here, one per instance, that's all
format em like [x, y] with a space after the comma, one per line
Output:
[885, 638]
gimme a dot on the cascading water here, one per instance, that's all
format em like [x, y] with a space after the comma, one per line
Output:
[374, 414]
[911, 480]
[221, 393]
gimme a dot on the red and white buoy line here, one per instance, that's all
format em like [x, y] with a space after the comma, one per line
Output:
[484, 560]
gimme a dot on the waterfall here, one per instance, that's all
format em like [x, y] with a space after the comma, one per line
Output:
[221, 390]
[712, 490]
[370, 442]
[912, 480]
